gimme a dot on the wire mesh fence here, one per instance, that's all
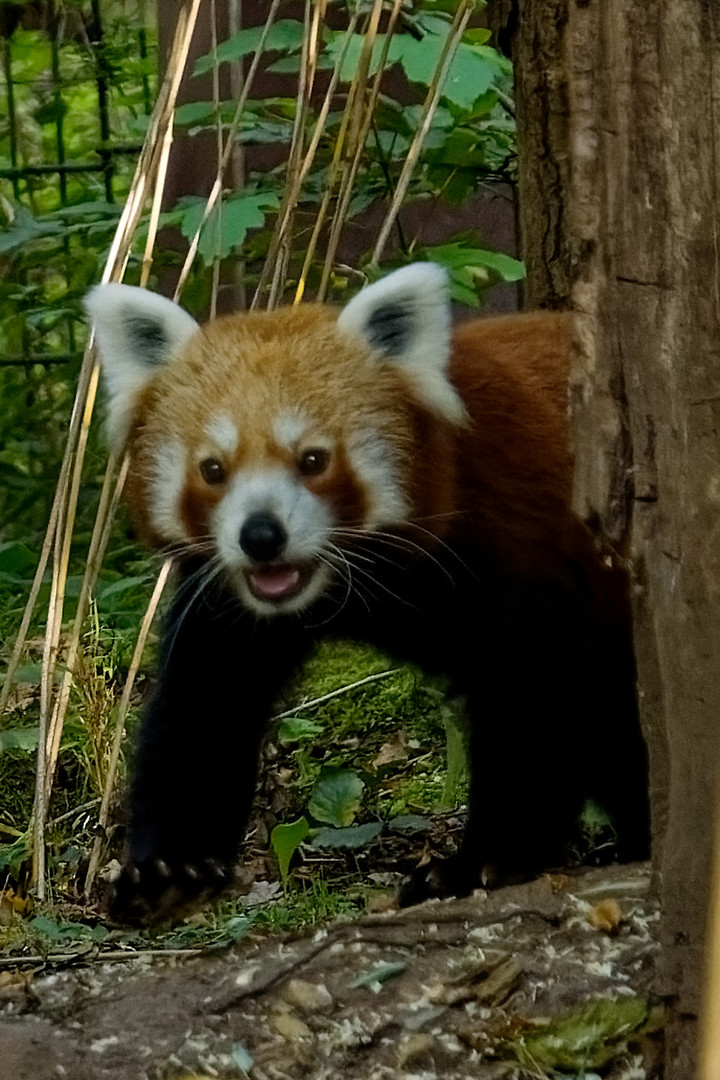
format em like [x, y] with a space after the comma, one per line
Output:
[78, 81]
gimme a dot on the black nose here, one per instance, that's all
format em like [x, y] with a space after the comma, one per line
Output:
[262, 537]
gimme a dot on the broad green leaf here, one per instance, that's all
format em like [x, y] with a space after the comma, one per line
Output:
[228, 223]
[285, 840]
[25, 738]
[454, 256]
[589, 1038]
[287, 65]
[16, 557]
[61, 931]
[296, 729]
[25, 673]
[283, 36]
[507, 268]
[409, 823]
[119, 588]
[354, 836]
[336, 796]
[195, 112]
[12, 856]
[24, 228]
[471, 73]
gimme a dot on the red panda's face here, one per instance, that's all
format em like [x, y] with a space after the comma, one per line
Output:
[267, 441]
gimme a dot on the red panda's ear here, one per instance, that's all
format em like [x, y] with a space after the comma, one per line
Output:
[136, 332]
[406, 317]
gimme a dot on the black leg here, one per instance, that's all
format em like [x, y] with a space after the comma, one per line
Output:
[196, 759]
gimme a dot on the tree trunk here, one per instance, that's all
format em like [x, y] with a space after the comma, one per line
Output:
[622, 222]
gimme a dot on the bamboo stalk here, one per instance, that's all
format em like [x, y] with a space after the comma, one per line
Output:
[312, 150]
[709, 1026]
[228, 152]
[68, 486]
[274, 253]
[359, 139]
[295, 166]
[460, 21]
[96, 552]
[219, 145]
[120, 724]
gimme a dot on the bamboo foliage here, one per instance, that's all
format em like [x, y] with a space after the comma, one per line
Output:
[145, 198]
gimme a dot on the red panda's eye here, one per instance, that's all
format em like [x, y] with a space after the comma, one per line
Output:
[314, 462]
[212, 471]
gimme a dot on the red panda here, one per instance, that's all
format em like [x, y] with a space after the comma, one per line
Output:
[366, 473]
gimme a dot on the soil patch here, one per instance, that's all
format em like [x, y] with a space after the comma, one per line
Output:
[521, 982]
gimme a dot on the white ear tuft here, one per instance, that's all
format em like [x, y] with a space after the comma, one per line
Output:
[136, 332]
[406, 317]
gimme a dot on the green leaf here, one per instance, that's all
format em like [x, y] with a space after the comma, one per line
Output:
[12, 856]
[477, 35]
[354, 836]
[297, 729]
[474, 68]
[58, 931]
[228, 223]
[381, 972]
[119, 588]
[589, 1038]
[283, 36]
[195, 112]
[476, 261]
[285, 840]
[50, 111]
[16, 557]
[507, 268]
[287, 65]
[336, 796]
[456, 756]
[25, 228]
[25, 738]
[409, 823]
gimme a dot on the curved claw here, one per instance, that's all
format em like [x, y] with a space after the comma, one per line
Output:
[157, 889]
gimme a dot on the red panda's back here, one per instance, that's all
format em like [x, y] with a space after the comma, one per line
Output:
[514, 464]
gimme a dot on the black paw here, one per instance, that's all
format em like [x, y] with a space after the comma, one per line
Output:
[156, 891]
[439, 878]
[459, 876]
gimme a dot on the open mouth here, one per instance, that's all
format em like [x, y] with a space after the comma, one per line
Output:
[277, 582]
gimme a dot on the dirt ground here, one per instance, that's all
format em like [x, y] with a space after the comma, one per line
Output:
[507, 984]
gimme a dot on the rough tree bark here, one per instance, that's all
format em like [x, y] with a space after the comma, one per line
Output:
[618, 116]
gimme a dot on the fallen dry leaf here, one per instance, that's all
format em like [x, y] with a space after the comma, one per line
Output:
[606, 916]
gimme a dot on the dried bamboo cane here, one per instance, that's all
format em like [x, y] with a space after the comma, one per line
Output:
[228, 152]
[709, 1027]
[109, 500]
[274, 256]
[358, 140]
[106, 509]
[460, 21]
[68, 486]
[120, 722]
